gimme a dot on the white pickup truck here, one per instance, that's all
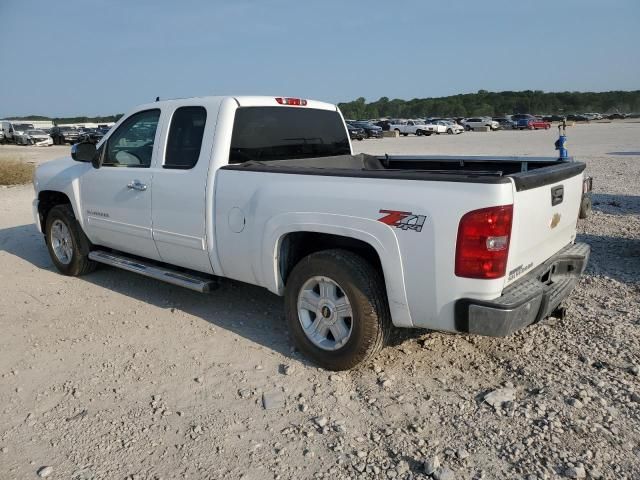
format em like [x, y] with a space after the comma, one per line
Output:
[414, 127]
[267, 191]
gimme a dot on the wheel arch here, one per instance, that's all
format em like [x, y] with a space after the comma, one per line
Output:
[372, 240]
[47, 199]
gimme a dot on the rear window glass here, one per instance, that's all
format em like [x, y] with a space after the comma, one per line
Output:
[279, 133]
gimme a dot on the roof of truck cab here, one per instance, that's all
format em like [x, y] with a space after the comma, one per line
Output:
[242, 101]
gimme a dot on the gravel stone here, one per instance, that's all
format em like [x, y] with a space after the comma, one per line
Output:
[44, 472]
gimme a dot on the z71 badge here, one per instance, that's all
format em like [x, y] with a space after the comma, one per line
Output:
[403, 220]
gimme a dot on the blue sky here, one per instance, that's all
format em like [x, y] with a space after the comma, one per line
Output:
[77, 57]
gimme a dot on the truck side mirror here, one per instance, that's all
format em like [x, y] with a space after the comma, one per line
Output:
[85, 152]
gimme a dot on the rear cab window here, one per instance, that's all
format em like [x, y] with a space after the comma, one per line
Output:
[280, 133]
[185, 138]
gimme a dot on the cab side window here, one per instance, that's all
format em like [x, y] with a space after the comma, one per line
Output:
[185, 138]
[131, 145]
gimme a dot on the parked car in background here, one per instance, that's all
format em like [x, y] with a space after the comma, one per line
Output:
[479, 122]
[576, 117]
[91, 135]
[414, 127]
[371, 130]
[505, 123]
[356, 133]
[536, 124]
[553, 118]
[616, 116]
[1, 137]
[21, 133]
[37, 137]
[62, 135]
[383, 124]
[450, 127]
[11, 129]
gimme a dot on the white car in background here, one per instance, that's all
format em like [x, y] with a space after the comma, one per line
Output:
[448, 126]
[38, 138]
[478, 122]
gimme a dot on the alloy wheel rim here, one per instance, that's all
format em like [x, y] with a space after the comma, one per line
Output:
[61, 242]
[325, 313]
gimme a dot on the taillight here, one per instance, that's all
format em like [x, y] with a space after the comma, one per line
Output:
[291, 101]
[482, 247]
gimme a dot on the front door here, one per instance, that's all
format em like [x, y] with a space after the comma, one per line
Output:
[117, 196]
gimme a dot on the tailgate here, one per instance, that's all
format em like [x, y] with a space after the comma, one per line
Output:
[545, 212]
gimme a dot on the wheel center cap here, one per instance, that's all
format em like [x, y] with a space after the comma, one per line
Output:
[326, 312]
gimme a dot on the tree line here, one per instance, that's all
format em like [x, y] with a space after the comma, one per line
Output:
[485, 103]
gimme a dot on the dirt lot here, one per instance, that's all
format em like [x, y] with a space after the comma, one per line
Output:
[114, 376]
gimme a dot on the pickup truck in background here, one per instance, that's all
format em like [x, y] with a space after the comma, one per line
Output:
[413, 127]
[267, 191]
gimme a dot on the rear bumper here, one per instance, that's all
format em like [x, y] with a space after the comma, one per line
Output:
[528, 300]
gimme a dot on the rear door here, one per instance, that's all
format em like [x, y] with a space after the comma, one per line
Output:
[179, 188]
[544, 218]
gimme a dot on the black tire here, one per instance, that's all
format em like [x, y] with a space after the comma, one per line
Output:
[467, 128]
[585, 207]
[419, 133]
[449, 131]
[405, 134]
[80, 263]
[364, 288]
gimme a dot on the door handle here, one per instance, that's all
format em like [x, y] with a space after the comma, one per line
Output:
[137, 185]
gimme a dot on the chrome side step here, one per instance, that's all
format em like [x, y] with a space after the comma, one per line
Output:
[163, 274]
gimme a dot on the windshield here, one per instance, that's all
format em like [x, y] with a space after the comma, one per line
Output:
[279, 133]
[36, 132]
[21, 127]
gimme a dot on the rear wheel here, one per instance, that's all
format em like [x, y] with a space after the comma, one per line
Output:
[336, 309]
[467, 128]
[68, 246]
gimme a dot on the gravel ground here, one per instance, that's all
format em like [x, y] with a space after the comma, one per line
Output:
[113, 376]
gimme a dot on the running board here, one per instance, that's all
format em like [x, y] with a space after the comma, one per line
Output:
[163, 274]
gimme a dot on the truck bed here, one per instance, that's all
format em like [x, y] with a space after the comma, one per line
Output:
[527, 172]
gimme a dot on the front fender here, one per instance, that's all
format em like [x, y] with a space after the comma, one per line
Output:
[62, 176]
[379, 236]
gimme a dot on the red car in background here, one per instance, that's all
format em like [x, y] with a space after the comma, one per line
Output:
[537, 124]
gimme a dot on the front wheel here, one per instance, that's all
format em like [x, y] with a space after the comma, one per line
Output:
[449, 131]
[336, 309]
[419, 133]
[67, 244]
